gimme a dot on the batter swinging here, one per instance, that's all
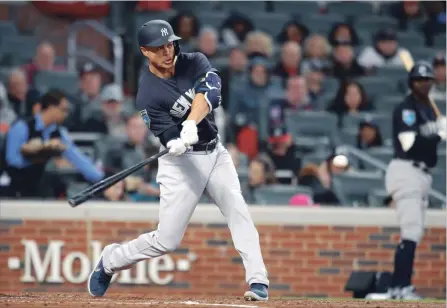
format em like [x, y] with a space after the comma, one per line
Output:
[177, 96]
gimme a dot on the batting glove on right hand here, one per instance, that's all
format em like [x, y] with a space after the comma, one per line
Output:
[176, 147]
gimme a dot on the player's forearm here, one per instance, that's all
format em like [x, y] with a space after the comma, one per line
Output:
[199, 108]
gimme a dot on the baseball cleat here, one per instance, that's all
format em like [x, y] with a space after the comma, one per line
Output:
[98, 281]
[409, 293]
[257, 292]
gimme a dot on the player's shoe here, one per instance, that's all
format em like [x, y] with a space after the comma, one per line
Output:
[257, 292]
[408, 293]
[99, 281]
[392, 293]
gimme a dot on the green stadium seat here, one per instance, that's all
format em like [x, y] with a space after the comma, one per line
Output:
[311, 123]
[350, 8]
[271, 23]
[352, 121]
[18, 50]
[7, 28]
[321, 23]
[279, 194]
[378, 85]
[392, 72]
[213, 19]
[246, 7]
[423, 53]
[384, 154]
[410, 38]
[387, 103]
[375, 22]
[65, 81]
[366, 37]
[440, 41]
[349, 137]
[296, 7]
[352, 188]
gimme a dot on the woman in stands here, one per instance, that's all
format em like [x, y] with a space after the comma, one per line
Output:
[351, 98]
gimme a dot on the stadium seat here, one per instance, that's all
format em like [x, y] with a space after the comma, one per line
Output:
[375, 86]
[387, 103]
[213, 19]
[321, 23]
[193, 5]
[7, 28]
[366, 37]
[348, 137]
[352, 188]
[350, 8]
[18, 50]
[245, 7]
[219, 63]
[309, 123]
[314, 158]
[410, 38]
[439, 181]
[296, 7]
[279, 194]
[440, 41]
[377, 197]
[375, 22]
[4, 73]
[271, 23]
[352, 121]
[423, 53]
[384, 154]
[64, 81]
[392, 72]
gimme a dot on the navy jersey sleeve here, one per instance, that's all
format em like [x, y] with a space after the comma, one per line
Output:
[202, 66]
[405, 120]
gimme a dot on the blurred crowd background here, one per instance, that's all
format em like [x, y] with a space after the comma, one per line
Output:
[308, 89]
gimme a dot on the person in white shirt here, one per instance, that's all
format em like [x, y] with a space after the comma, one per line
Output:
[438, 90]
[385, 51]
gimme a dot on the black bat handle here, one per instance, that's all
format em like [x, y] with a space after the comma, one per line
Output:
[110, 181]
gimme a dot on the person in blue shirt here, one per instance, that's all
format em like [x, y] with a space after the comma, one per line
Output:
[32, 142]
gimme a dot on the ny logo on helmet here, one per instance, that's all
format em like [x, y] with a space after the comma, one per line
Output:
[164, 32]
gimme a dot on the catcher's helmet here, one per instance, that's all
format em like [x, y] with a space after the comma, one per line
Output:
[156, 33]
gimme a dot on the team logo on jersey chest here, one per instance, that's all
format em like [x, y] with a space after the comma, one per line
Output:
[145, 117]
[182, 104]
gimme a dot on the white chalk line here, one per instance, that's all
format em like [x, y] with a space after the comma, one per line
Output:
[219, 305]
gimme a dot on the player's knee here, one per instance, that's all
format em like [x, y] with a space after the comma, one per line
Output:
[413, 232]
[169, 246]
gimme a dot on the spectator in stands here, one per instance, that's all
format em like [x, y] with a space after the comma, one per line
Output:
[438, 90]
[17, 90]
[369, 135]
[282, 152]
[7, 114]
[289, 64]
[108, 120]
[316, 50]
[385, 51]
[351, 98]
[90, 82]
[343, 32]
[235, 70]
[344, 64]
[258, 43]
[261, 171]
[244, 105]
[314, 79]
[297, 96]
[293, 31]
[435, 22]
[44, 60]
[208, 42]
[235, 28]
[319, 178]
[115, 193]
[30, 143]
[187, 26]
[124, 153]
[407, 12]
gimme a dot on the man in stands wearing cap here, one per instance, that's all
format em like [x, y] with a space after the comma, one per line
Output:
[438, 90]
[385, 51]
[86, 100]
[107, 117]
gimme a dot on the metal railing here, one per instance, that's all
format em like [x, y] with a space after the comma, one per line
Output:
[115, 67]
[350, 150]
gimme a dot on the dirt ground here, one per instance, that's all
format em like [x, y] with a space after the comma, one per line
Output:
[68, 300]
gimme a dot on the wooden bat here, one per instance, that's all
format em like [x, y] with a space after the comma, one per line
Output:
[408, 61]
[106, 183]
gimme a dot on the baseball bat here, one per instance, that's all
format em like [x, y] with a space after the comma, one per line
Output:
[409, 63]
[110, 181]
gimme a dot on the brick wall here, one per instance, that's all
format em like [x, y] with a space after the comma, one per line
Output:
[302, 260]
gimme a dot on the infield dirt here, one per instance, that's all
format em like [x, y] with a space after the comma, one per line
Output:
[69, 300]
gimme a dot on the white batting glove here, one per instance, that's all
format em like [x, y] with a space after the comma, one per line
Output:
[189, 134]
[176, 147]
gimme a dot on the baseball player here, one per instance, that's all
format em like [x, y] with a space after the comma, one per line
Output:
[416, 133]
[177, 95]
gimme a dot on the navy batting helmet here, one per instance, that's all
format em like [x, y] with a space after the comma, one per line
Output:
[156, 33]
[421, 70]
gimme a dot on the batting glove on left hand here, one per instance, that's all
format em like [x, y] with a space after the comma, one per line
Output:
[176, 147]
[189, 134]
